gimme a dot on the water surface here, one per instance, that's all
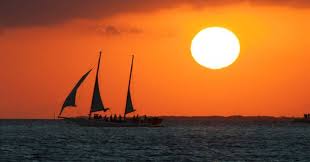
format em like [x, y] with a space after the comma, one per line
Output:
[182, 139]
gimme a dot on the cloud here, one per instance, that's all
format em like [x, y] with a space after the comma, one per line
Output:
[21, 13]
[111, 30]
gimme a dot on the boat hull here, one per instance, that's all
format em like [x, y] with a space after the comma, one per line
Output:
[301, 120]
[152, 122]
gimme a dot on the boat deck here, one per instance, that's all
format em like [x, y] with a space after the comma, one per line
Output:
[152, 122]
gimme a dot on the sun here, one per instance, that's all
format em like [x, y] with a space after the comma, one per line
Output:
[215, 47]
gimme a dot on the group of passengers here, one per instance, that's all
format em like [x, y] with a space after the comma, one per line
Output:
[106, 118]
[307, 116]
[114, 118]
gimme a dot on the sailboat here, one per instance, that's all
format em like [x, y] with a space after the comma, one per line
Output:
[97, 106]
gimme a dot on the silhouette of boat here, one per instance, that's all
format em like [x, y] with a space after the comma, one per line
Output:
[97, 105]
[306, 119]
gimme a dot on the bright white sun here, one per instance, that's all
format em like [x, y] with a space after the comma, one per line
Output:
[215, 47]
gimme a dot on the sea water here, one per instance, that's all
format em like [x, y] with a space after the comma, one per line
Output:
[181, 139]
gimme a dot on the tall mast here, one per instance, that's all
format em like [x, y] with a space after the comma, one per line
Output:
[129, 107]
[130, 72]
[96, 83]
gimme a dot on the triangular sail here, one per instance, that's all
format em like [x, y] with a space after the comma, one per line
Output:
[70, 100]
[129, 107]
[97, 104]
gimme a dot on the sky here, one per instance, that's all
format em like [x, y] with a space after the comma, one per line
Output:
[46, 46]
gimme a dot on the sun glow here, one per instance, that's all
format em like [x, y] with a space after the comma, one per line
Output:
[215, 47]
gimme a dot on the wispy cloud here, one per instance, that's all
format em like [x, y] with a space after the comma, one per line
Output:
[20, 13]
[112, 30]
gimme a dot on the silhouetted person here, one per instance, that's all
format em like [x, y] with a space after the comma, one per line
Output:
[115, 117]
[120, 117]
[305, 116]
[111, 117]
[96, 116]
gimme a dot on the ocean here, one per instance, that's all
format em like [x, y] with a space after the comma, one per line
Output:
[181, 139]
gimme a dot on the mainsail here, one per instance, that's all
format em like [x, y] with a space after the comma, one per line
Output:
[96, 104]
[70, 100]
[129, 107]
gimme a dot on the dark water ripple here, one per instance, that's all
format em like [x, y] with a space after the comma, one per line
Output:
[180, 140]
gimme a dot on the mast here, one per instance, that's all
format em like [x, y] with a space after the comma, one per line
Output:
[129, 107]
[97, 104]
[130, 73]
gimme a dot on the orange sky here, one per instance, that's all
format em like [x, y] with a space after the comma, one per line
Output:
[41, 63]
